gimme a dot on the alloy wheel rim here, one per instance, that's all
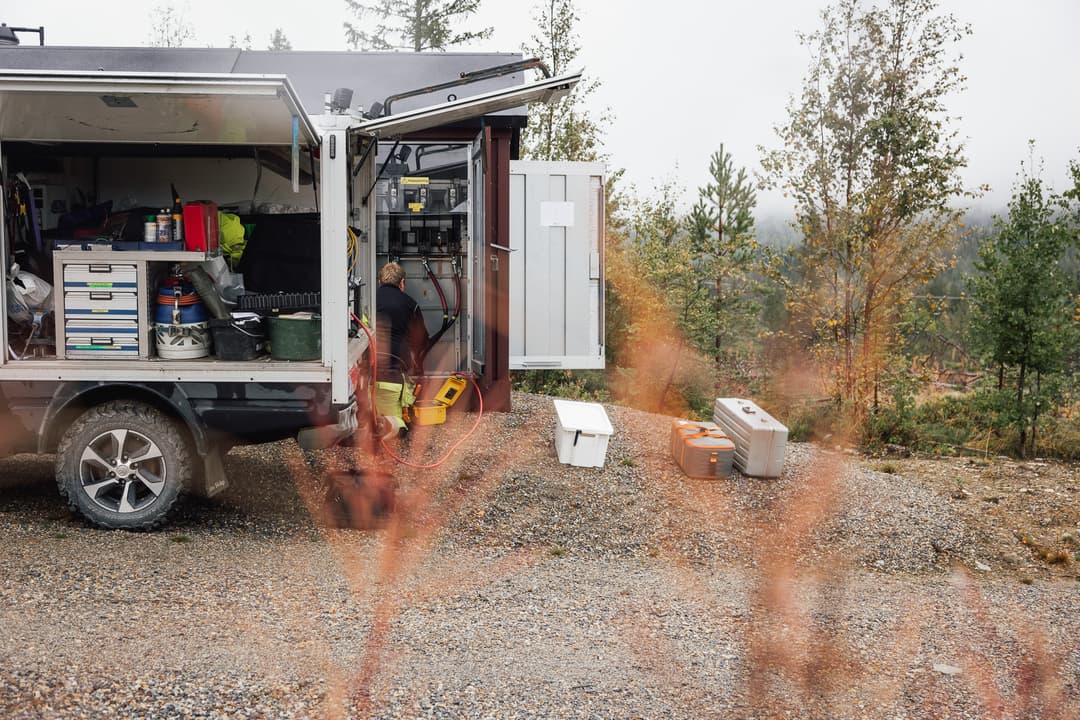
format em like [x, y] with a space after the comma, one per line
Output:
[122, 471]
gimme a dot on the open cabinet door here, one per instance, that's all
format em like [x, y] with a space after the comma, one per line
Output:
[186, 109]
[557, 265]
[477, 253]
[411, 121]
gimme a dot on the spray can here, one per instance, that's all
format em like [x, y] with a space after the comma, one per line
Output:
[177, 216]
[164, 226]
[150, 229]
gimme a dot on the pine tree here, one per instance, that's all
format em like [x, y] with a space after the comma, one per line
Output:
[414, 25]
[1022, 318]
[721, 228]
[244, 43]
[278, 41]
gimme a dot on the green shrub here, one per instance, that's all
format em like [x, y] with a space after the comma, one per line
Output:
[573, 384]
[809, 421]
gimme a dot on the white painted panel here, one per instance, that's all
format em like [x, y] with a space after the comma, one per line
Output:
[556, 291]
[518, 219]
[557, 214]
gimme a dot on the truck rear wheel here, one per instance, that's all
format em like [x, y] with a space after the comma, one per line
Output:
[122, 465]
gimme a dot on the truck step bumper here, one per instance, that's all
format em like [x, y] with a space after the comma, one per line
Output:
[326, 436]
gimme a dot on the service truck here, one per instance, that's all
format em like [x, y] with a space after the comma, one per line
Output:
[87, 378]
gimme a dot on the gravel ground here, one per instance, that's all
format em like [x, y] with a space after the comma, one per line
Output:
[507, 585]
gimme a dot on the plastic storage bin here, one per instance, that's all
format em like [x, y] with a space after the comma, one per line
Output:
[760, 440]
[295, 337]
[240, 337]
[581, 434]
[201, 226]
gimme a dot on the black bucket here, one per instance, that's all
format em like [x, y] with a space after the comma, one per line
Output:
[238, 338]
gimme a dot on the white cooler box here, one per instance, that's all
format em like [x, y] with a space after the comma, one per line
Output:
[760, 440]
[582, 432]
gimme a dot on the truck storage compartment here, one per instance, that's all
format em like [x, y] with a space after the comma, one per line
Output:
[93, 246]
[282, 254]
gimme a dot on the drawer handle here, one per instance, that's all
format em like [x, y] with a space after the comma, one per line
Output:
[101, 341]
[100, 268]
[101, 296]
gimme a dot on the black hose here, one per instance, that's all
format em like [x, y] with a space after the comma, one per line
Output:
[442, 296]
[447, 324]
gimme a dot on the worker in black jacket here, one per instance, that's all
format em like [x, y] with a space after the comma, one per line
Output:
[401, 337]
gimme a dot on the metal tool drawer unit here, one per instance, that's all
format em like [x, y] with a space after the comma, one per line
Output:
[102, 310]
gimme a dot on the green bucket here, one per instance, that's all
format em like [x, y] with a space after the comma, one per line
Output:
[296, 337]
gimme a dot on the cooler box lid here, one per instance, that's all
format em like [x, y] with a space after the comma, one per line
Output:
[586, 417]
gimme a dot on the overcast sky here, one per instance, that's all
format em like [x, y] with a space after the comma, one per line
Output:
[682, 76]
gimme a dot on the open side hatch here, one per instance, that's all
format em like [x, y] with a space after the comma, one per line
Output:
[411, 121]
[221, 109]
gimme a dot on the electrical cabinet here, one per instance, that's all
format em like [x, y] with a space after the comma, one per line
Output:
[423, 223]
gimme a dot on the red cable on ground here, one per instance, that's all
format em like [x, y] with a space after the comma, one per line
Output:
[453, 447]
[375, 411]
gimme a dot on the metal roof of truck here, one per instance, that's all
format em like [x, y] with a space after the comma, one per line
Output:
[372, 76]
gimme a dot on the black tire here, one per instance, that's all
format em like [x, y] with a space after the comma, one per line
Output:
[123, 465]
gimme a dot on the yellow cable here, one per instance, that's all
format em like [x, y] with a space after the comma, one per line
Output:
[352, 251]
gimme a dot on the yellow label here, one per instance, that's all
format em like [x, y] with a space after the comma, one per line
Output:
[99, 310]
[99, 284]
[416, 207]
[414, 181]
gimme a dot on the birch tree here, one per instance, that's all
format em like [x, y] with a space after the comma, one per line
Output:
[870, 159]
[564, 129]
[170, 27]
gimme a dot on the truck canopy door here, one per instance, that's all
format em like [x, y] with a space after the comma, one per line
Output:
[195, 109]
[410, 121]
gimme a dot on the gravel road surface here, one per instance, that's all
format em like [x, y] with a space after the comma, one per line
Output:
[506, 585]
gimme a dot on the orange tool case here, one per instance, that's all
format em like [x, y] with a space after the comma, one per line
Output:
[702, 449]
